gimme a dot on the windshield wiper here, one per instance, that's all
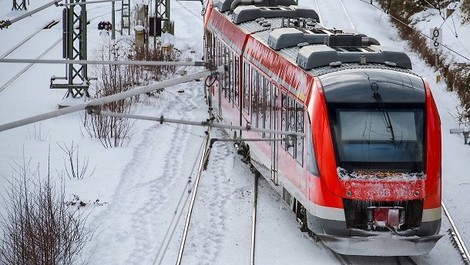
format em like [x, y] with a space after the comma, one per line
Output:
[378, 98]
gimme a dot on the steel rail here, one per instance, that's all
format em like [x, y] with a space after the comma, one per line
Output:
[178, 211]
[347, 15]
[108, 99]
[62, 61]
[253, 219]
[203, 161]
[456, 236]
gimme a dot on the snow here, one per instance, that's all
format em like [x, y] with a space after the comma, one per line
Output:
[143, 186]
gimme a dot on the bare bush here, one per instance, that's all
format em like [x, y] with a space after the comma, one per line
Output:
[113, 79]
[75, 168]
[37, 226]
[39, 134]
[456, 77]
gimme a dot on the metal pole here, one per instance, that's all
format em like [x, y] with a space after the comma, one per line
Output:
[113, 18]
[253, 219]
[108, 99]
[88, 2]
[161, 119]
[57, 61]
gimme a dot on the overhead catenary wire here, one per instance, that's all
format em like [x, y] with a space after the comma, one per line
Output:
[419, 32]
[7, 23]
[207, 123]
[109, 99]
[99, 62]
[29, 65]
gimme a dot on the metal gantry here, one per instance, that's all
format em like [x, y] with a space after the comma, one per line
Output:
[19, 6]
[125, 17]
[74, 48]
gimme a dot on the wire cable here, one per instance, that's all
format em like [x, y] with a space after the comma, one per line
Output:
[419, 32]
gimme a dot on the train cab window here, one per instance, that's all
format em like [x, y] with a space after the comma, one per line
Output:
[246, 87]
[393, 139]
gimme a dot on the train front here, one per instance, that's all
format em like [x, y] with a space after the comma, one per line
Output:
[386, 142]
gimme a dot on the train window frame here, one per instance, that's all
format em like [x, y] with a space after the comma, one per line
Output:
[209, 51]
[291, 126]
[261, 99]
[232, 77]
[311, 163]
[254, 95]
[246, 87]
[300, 124]
[237, 81]
[420, 115]
[284, 116]
[226, 74]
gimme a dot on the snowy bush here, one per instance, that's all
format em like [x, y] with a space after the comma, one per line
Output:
[37, 226]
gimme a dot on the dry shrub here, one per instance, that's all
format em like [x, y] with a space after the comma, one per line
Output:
[457, 77]
[37, 226]
[114, 79]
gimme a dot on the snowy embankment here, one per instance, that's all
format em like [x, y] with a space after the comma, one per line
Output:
[139, 186]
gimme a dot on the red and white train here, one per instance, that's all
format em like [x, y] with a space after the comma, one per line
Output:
[366, 177]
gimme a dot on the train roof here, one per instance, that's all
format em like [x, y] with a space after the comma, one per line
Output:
[296, 34]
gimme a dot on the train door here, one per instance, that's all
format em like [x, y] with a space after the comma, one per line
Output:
[275, 143]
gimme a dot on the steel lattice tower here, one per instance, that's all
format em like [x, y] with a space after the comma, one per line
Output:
[74, 48]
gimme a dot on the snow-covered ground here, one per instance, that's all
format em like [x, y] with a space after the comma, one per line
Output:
[142, 184]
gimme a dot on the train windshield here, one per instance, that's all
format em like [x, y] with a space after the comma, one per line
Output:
[380, 139]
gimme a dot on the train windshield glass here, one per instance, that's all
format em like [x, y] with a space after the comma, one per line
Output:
[385, 139]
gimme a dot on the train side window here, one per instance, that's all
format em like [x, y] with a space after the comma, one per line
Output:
[291, 126]
[209, 46]
[246, 87]
[226, 75]
[300, 129]
[237, 81]
[232, 77]
[310, 159]
[261, 101]
[284, 107]
[254, 97]
[267, 106]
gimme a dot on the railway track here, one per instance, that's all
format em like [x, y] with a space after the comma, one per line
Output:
[341, 20]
